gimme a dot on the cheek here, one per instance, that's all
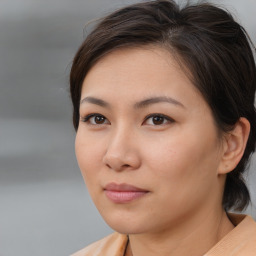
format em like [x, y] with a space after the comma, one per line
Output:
[180, 175]
[88, 155]
[182, 162]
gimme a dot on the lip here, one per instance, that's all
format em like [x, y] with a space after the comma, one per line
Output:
[123, 193]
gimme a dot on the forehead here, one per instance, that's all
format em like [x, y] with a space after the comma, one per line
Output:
[139, 61]
[136, 72]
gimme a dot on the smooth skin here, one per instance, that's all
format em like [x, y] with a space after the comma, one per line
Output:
[145, 124]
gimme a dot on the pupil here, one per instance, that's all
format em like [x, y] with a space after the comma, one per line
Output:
[99, 119]
[158, 120]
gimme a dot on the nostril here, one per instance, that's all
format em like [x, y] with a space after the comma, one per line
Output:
[120, 161]
[123, 166]
[119, 167]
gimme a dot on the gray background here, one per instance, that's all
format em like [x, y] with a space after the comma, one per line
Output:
[44, 206]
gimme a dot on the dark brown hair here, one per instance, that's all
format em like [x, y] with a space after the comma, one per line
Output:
[211, 45]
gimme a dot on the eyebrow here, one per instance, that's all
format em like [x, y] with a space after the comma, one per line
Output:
[95, 101]
[140, 104]
[153, 100]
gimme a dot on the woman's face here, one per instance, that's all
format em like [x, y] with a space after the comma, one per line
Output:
[147, 144]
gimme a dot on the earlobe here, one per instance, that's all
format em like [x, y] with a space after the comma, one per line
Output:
[234, 146]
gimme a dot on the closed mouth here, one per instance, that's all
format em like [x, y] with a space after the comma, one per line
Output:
[123, 193]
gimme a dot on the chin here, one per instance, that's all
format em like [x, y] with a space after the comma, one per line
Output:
[124, 224]
[126, 229]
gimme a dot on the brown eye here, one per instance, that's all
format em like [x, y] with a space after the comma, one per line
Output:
[99, 119]
[157, 119]
[95, 119]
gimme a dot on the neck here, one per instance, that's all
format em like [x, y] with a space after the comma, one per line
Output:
[192, 238]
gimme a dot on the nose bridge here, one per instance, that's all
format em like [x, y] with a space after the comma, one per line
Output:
[122, 149]
[121, 140]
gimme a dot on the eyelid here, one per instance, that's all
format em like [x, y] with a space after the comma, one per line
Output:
[169, 119]
[86, 119]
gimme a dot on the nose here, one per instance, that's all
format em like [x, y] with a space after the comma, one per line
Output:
[122, 151]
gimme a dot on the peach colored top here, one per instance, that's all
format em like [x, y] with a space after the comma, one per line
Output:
[241, 241]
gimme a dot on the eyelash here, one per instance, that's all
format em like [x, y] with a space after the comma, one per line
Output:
[166, 119]
[87, 118]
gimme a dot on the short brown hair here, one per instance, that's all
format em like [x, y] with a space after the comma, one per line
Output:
[210, 43]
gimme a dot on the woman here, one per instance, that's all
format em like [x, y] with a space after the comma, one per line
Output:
[164, 111]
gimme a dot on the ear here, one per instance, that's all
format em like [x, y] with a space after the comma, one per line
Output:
[234, 143]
